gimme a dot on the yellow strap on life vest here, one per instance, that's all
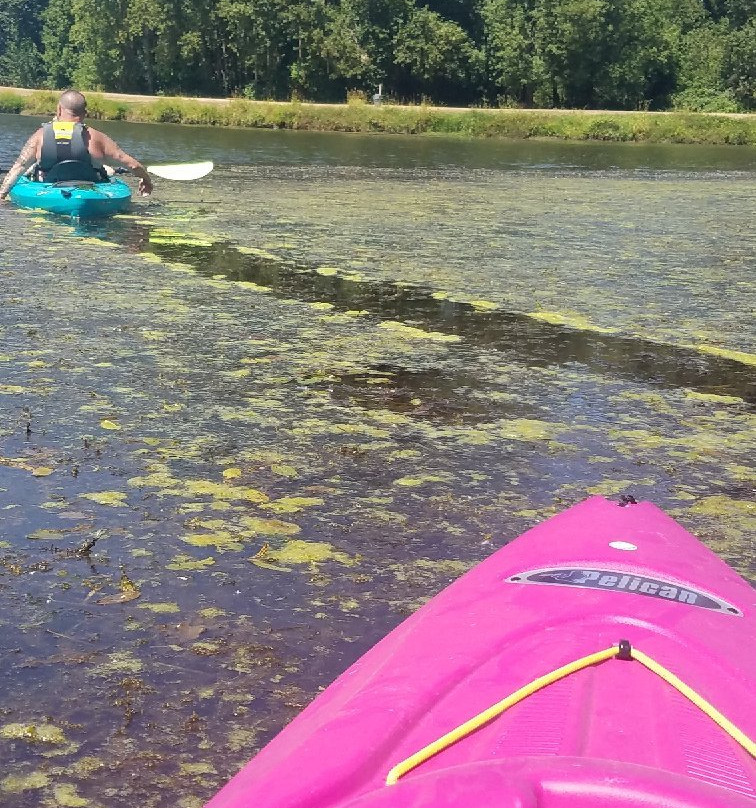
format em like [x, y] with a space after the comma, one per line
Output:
[469, 726]
[63, 130]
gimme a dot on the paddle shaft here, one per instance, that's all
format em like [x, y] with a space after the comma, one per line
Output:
[176, 171]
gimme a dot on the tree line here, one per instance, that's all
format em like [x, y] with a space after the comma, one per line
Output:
[610, 54]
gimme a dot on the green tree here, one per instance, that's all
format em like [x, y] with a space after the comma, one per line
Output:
[740, 13]
[20, 42]
[739, 64]
[253, 46]
[307, 23]
[150, 33]
[439, 57]
[700, 64]
[97, 35]
[201, 50]
[575, 53]
[466, 13]
[607, 53]
[514, 66]
[59, 54]
[360, 41]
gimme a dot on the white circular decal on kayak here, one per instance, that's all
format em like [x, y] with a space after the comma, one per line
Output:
[622, 545]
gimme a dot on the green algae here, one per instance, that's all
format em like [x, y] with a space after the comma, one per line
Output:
[211, 612]
[119, 663]
[19, 783]
[411, 333]
[720, 505]
[527, 429]
[483, 305]
[33, 733]
[12, 389]
[737, 356]
[570, 320]
[185, 563]
[67, 796]
[222, 540]
[713, 398]
[298, 551]
[222, 491]
[609, 488]
[283, 470]
[86, 766]
[424, 479]
[246, 250]
[206, 648]
[292, 504]
[241, 739]
[261, 526]
[114, 499]
[161, 608]
[169, 485]
[196, 769]
[46, 535]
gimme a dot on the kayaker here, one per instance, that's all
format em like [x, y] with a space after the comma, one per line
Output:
[55, 144]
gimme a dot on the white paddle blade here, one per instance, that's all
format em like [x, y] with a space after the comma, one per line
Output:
[182, 171]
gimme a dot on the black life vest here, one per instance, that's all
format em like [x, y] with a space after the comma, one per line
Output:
[65, 155]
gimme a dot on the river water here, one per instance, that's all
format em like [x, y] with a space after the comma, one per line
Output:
[251, 425]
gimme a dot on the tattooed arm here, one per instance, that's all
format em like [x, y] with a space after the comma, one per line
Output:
[113, 153]
[25, 159]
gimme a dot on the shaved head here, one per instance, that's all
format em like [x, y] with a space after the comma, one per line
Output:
[73, 103]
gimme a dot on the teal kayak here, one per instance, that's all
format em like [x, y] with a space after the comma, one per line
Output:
[72, 198]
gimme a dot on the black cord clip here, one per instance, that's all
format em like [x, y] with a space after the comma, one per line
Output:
[625, 650]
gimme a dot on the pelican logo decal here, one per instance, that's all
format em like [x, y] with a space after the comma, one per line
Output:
[624, 582]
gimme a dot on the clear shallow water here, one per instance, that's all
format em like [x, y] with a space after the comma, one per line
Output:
[288, 414]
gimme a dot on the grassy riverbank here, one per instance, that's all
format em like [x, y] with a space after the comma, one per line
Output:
[652, 127]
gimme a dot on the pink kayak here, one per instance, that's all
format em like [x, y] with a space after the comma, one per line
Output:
[603, 658]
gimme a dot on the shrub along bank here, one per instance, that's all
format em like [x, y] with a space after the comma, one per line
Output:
[652, 127]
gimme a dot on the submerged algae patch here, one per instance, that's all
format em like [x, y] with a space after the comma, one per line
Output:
[720, 505]
[422, 479]
[114, 499]
[410, 332]
[292, 504]
[575, 321]
[222, 540]
[531, 430]
[18, 783]
[66, 795]
[713, 398]
[118, 663]
[260, 526]
[727, 353]
[160, 608]
[185, 562]
[167, 484]
[222, 491]
[33, 733]
[298, 551]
